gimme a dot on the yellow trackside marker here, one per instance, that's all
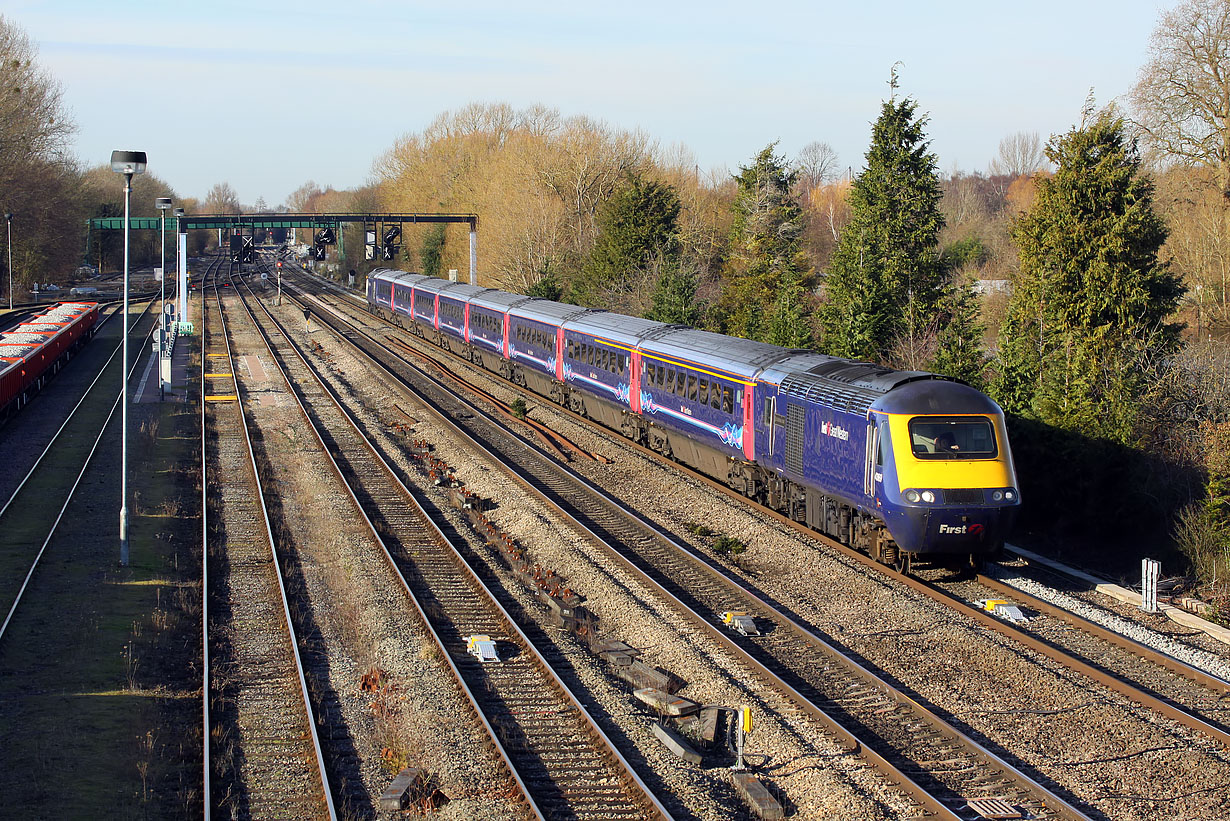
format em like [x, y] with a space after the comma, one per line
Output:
[218, 374]
[222, 397]
[217, 354]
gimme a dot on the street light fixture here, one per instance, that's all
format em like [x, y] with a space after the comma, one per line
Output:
[128, 163]
[8, 218]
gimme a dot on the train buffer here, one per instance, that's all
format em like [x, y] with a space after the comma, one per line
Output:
[481, 647]
[1004, 609]
[740, 622]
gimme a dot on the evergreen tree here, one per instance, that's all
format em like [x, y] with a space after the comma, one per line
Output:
[547, 286]
[959, 343]
[637, 224]
[885, 284]
[767, 293]
[1092, 299]
[433, 250]
[674, 297]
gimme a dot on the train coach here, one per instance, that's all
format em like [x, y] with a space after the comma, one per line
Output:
[35, 350]
[900, 464]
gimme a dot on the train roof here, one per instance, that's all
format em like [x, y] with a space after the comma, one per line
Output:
[434, 285]
[464, 291]
[936, 395]
[626, 330]
[549, 311]
[497, 300]
[391, 275]
[743, 358]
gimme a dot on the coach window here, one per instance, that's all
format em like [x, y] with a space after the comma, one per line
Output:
[661, 376]
[692, 387]
[728, 400]
[704, 392]
[715, 396]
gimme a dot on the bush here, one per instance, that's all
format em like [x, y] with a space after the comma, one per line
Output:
[519, 409]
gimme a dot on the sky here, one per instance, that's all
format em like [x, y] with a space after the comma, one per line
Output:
[268, 95]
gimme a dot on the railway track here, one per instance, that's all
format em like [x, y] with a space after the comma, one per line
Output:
[1192, 698]
[564, 763]
[262, 753]
[33, 512]
[944, 771]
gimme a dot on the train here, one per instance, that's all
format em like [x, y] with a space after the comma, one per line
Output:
[899, 464]
[35, 350]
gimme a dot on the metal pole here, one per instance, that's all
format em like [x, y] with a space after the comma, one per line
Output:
[474, 252]
[9, 219]
[124, 393]
[162, 305]
[163, 279]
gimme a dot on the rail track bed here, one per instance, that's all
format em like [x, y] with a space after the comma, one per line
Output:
[263, 748]
[564, 762]
[949, 766]
[1027, 732]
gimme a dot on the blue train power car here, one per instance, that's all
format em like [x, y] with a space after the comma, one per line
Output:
[897, 463]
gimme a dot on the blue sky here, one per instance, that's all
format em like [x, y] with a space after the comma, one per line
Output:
[267, 95]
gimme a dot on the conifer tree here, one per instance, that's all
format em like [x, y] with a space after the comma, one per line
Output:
[674, 297]
[1091, 301]
[637, 224]
[768, 278]
[885, 282]
[959, 343]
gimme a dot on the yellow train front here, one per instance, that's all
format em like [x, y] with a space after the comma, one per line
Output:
[944, 481]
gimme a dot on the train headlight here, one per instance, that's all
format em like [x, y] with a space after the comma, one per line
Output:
[997, 495]
[912, 496]
[928, 496]
[1010, 495]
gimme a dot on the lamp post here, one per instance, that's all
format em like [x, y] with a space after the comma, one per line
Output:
[162, 204]
[128, 163]
[181, 266]
[8, 218]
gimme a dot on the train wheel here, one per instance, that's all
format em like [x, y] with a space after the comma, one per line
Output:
[902, 563]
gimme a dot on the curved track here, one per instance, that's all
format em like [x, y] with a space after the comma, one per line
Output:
[565, 764]
[940, 768]
[31, 515]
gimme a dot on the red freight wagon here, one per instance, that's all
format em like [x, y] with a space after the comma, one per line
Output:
[36, 349]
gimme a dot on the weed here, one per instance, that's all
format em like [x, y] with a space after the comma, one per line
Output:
[728, 545]
[698, 530]
[519, 408]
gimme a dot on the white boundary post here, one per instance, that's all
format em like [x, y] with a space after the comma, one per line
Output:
[1150, 571]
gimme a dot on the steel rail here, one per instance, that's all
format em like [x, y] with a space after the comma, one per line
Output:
[1109, 680]
[206, 767]
[51, 442]
[922, 796]
[76, 482]
[290, 626]
[611, 749]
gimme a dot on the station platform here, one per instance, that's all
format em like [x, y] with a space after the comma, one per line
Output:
[182, 375]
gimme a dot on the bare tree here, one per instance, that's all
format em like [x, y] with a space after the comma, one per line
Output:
[1020, 154]
[222, 199]
[1182, 95]
[816, 164]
